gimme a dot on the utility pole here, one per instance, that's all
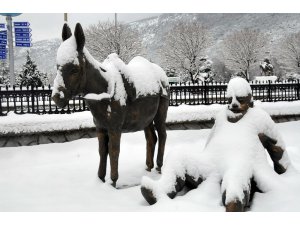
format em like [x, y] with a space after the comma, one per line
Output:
[10, 44]
[116, 35]
[10, 50]
[66, 17]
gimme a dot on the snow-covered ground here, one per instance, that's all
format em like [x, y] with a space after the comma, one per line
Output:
[63, 177]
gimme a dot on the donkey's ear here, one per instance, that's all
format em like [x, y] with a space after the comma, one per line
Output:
[66, 32]
[79, 36]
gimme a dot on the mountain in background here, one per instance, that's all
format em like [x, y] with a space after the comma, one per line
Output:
[153, 31]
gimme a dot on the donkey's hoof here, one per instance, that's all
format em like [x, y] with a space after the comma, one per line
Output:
[114, 184]
[148, 195]
[148, 169]
[158, 169]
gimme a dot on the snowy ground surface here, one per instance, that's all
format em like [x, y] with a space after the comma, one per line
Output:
[30, 123]
[62, 177]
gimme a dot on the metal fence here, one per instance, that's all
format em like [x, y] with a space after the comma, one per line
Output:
[35, 100]
[215, 92]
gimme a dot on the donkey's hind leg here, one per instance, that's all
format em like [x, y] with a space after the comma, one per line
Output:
[151, 142]
[103, 152]
[160, 125]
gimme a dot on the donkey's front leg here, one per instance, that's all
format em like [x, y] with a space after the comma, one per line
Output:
[114, 151]
[103, 152]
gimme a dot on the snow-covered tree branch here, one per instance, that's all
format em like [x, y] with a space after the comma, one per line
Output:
[184, 47]
[242, 49]
[289, 53]
[104, 38]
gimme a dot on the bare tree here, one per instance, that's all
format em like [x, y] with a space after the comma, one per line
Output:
[289, 53]
[242, 49]
[184, 47]
[105, 38]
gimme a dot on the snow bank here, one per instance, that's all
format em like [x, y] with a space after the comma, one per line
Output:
[186, 113]
[30, 123]
[266, 79]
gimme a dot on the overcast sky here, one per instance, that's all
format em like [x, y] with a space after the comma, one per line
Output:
[49, 25]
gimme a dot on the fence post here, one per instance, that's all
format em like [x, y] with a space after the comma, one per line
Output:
[205, 93]
[32, 98]
[298, 89]
[269, 92]
[1, 114]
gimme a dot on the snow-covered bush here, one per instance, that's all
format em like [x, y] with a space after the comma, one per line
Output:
[4, 73]
[205, 71]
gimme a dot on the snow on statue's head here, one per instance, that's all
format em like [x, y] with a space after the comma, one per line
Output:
[70, 76]
[239, 96]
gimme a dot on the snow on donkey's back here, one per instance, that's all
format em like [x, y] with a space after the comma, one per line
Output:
[121, 98]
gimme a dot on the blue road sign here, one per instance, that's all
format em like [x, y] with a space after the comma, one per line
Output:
[21, 44]
[3, 36]
[21, 24]
[22, 35]
[2, 47]
[3, 32]
[22, 30]
[2, 25]
[2, 56]
[2, 52]
[23, 39]
[3, 42]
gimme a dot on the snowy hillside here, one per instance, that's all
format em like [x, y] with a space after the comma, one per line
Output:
[153, 31]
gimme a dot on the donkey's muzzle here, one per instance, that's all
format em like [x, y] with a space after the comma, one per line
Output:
[60, 102]
[61, 98]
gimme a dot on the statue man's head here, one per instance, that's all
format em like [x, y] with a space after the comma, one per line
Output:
[239, 96]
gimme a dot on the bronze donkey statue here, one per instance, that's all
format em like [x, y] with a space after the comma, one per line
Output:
[120, 99]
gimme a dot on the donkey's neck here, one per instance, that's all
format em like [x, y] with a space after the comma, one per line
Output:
[95, 82]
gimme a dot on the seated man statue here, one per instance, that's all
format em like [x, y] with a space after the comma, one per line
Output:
[234, 154]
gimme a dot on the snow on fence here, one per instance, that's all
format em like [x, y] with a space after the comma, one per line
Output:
[21, 100]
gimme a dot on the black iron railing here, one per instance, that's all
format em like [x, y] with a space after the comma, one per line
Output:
[215, 93]
[37, 100]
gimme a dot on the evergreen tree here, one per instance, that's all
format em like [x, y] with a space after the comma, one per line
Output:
[4, 73]
[30, 75]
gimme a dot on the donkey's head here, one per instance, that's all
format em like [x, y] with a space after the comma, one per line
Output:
[71, 66]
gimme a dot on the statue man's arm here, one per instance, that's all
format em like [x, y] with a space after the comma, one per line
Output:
[273, 143]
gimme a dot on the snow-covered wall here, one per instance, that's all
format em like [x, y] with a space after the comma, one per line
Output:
[30, 129]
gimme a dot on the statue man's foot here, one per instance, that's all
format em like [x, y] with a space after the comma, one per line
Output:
[234, 206]
[148, 195]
